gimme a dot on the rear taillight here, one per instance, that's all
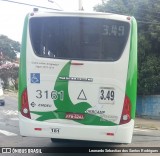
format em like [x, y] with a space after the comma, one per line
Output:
[25, 106]
[126, 113]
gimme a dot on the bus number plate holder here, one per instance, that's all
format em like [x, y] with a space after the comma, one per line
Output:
[106, 95]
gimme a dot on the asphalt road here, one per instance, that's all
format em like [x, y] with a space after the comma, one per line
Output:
[10, 137]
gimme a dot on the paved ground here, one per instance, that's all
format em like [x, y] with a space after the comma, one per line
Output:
[142, 123]
[147, 123]
[10, 93]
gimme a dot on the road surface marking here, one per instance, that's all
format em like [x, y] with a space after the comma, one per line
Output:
[9, 112]
[14, 119]
[7, 133]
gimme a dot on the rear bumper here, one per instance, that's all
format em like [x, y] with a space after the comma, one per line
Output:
[122, 133]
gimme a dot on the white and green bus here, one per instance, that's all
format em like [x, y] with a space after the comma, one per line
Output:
[78, 76]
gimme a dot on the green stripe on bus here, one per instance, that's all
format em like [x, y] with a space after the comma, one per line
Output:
[131, 86]
[22, 69]
[62, 85]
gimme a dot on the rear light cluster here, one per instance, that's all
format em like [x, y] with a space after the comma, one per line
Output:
[25, 106]
[126, 113]
[110, 134]
[38, 129]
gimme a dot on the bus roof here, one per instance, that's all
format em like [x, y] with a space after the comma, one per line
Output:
[81, 14]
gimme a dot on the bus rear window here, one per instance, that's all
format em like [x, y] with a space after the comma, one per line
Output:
[78, 38]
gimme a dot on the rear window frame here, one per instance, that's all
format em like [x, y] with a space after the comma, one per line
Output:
[79, 59]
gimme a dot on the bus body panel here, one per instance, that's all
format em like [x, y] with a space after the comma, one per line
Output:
[85, 96]
[117, 134]
[84, 91]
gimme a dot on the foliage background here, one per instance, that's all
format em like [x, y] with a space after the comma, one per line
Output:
[8, 69]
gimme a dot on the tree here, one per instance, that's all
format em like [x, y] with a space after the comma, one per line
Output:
[149, 77]
[14, 76]
[148, 17]
[9, 74]
[8, 48]
[8, 71]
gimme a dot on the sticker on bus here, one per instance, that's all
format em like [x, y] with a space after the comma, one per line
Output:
[35, 77]
[75, 116]
[106, 95]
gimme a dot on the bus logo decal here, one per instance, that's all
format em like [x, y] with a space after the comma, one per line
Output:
[112, 118]
[67, 78]
[35, 77]
[33, 104]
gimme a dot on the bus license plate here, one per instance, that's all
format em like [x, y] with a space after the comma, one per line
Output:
[106, 95]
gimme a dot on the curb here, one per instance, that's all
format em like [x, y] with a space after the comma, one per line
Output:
[146, 127]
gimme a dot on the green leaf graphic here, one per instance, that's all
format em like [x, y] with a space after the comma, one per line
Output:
[66, 105]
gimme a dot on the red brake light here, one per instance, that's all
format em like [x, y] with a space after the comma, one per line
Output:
[37, 129]
[110, 134]
[126, 113]
[25, 106]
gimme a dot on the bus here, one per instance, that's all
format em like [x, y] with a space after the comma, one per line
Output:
[78, 76]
